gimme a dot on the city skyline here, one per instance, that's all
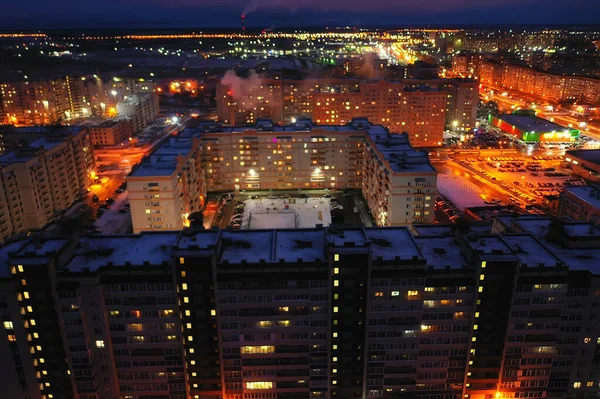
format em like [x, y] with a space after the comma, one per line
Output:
[203, 14]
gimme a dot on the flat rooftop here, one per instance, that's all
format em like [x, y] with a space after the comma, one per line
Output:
[589, 195]
[163, 161]
[441, 252]
[392, 243]
[531, 252]
[592, 156]
[530, 123]
[396, 151]
[98, 251]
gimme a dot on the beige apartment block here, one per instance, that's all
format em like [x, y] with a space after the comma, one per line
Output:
[168, 186]
[44, 179]
[398, 181]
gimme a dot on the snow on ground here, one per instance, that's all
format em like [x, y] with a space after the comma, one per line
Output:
[112, 221]
[264, 213]
[281, 220]
[460, 191]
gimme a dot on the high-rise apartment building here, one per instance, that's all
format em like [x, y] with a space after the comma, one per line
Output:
[422, 108]
[49, 101]
[43, 179]
[548, 86]
[399, 183]
[271, 157]
[305, 313]
[142, 108]
[168, 186]
[65, 99]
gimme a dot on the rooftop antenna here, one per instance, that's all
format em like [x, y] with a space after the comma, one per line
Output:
[243, 21]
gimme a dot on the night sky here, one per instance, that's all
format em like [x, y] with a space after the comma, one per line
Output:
[285, 13]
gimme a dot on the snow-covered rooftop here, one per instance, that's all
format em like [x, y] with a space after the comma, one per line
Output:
[530, 251]
[441, 252]
[390, 243]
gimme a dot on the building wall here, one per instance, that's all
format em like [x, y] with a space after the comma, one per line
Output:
[142, 108]
[420, 107]
[44, 183]
[111, 135]
[346, 313]
[550, 87]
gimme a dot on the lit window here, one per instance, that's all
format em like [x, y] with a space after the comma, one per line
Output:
[476, 314]
[336, 258]
[8, 325]
[20, 268]
[252, 350]
[587, 340]
[395, 293]
[429, 289]
[190, 338]
[334, 382]
[411, 293]
[482, 277]
[473, 339]
[335, 335]
[483, 264]
[336, 270]
[188, 325]
[336, 283]
[590, 384]
[334, 347]
[334, 371]
[32, 322]
[181, 260]
[183, 273]
[475, 327]
[259, 385]
[148, 211]
[184, 286]
[26, 295]
[335, 309]
[480, 289]
[100, 343]
[334, 359]
[192, 362]
[577, 384]
[213, 312]
[188, 313]
[171, 337]
[379, 294]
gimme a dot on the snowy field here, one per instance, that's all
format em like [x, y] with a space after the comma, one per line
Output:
[264, 213]
[460, 191]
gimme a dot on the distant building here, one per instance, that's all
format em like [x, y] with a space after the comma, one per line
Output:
[580, 203]
[142, 108]
[550, 87]
[422, 108]
[585, 163]
[41, 180]
[49, 101]
[111, 132]
[525, 126]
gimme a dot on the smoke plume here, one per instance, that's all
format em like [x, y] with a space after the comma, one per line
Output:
[250, 92]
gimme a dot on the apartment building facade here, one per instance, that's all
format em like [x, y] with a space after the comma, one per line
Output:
[42, 102]
[168, 186]
[43, 179]
[142, 108]
[305, 313]
[580, 203]
[67, 98]
[300, 156]
[399, 183]
[420, 107]
[111, 132]
[551, 87]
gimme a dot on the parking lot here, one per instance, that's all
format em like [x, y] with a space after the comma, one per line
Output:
[527, 179]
